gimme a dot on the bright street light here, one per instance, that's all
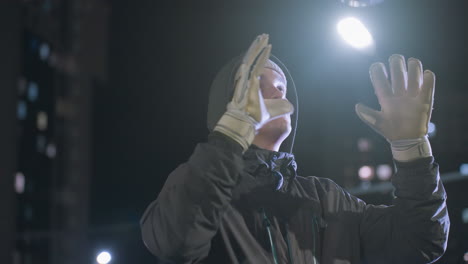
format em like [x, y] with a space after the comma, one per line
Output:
[104, 257]
[354, 33]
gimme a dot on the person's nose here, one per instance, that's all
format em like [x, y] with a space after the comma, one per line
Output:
[273, 92]
[278, 92]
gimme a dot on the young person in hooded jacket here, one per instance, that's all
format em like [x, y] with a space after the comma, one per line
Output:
[238, 198]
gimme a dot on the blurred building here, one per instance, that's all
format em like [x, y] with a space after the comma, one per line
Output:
[9, 72]
[58, 58]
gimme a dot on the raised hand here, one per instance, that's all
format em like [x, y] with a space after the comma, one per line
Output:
[248, 111]
[406, 99]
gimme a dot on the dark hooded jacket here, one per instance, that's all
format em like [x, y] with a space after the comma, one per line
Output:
[226, 206]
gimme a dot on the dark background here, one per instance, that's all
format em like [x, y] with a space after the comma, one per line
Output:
[147, 104]
[163, 56]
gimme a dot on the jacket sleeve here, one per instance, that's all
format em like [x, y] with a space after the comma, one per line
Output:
[415, 229]
[179, 225]
[412, 230]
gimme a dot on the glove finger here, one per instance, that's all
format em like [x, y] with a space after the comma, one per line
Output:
[241, 86]
[368, 116]
[242, 75]
[261, 61]
[379, 79]
[255, 106]
[415, 76]
[255, 49]
[398, 74]
[255, 98]
[278, 107]
[427, 90]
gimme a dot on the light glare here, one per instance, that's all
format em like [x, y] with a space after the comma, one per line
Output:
[44, 51]
[431, 129]
[19, 182]
[384, 172]
[364, 144]
[22, 110]
[42, 121]
[33, 91]
[464, 169]
[366, 173]
[361, 3]
[51, 150]
[104, 257]
[465, 215]
[354, 32]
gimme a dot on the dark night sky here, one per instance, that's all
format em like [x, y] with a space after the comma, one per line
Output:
[163, 55]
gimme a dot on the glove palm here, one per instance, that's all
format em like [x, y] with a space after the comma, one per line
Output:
[406, 102]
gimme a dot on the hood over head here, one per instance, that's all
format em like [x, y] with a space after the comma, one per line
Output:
[222, 89]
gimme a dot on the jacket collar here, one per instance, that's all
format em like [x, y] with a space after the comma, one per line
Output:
[265, 163]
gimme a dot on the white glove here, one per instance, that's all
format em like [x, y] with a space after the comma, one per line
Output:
[248, 111]
[406, 106]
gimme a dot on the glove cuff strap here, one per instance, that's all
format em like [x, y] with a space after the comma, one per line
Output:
[411, 149]
[240, 130]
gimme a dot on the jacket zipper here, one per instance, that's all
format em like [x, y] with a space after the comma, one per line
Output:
[267, 225]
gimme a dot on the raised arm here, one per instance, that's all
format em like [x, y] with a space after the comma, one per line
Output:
[412, 230]
[180, 224]
[415, 229]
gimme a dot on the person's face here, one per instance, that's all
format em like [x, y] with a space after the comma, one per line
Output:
[273, 86]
